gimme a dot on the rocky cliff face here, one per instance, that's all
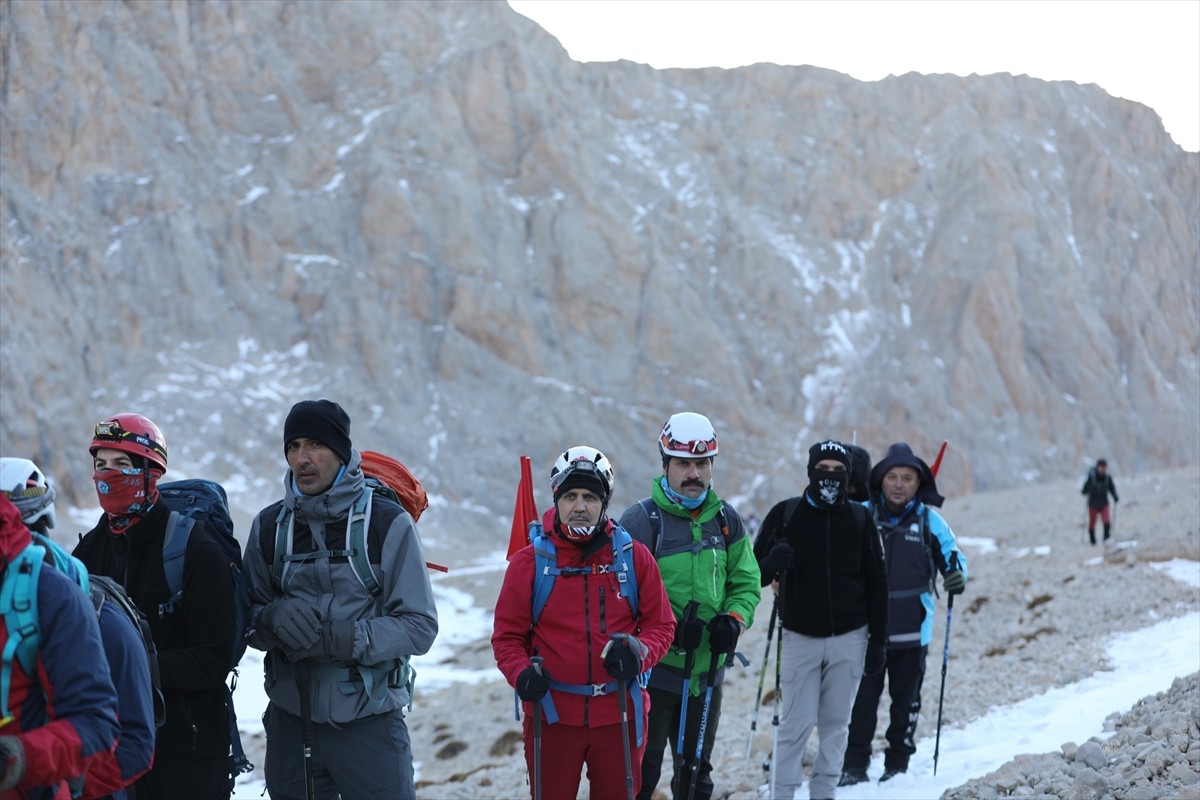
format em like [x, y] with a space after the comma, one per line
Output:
[428, 212]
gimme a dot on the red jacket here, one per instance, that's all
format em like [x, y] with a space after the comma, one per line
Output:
[577, 622]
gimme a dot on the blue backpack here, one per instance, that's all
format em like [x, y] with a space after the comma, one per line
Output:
[188, 501]
[546, 568]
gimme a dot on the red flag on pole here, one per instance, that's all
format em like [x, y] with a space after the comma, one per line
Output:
[524, 511]
[937, 462]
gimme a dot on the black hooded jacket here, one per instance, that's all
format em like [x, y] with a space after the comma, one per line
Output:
[837, 581]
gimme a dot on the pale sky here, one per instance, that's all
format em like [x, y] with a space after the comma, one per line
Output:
[1142, 50]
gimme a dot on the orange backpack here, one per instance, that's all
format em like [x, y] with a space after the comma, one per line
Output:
[395, 476]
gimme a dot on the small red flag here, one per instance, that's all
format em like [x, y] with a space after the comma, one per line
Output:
[524, 511]
[937, 462]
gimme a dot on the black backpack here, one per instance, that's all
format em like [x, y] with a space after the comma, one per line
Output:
[107, 591]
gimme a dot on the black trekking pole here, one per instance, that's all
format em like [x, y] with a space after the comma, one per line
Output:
[945, 658]
[623, 688]
[536, 709]
[708, 690]
[306, 731]
[778, 699]
[762, 676]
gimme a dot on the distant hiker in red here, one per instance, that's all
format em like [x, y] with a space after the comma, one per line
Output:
[1098, 486]
[60, 717]
[598, 620]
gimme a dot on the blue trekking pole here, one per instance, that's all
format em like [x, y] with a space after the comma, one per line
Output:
[689, 660]
[945, 657]
[712, 673]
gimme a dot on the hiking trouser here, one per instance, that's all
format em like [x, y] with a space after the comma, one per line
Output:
[367, 758]
[663, 732]
[184, 778]
[819, 678]
[567, 748]
[905, 673]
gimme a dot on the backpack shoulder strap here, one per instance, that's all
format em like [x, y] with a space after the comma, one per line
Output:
[356, 542]
[626, 574]
[283, 545]
[789, 511]
[656, 521]
[545, 568]
[18, 604]
[175, 542]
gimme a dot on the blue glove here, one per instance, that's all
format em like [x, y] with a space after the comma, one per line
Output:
[294, 622]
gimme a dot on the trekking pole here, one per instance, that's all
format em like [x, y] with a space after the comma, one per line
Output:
[945, 657]
[623, 688]
[778, 693]
[536, 710]
[688, 661]
[708, 690]
[310, 791]
[762, 676]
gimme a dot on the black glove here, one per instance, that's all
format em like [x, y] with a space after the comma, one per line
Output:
[777, 560]
[12, 762]
[623, 657]
[294, 622]
[723, 633]
[689, 630]
[336, 642]
[876, 658]
[533, 683]
[954, 582]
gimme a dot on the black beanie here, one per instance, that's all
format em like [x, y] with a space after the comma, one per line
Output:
[828, 450]
[323, 420]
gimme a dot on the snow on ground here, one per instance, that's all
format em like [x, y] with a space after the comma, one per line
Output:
[1143, 662]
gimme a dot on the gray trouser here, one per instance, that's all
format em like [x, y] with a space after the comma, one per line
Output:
[819, 680]
[368, 758]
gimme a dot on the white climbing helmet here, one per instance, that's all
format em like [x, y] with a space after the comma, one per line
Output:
[582, 465]
[688, 435]
[28, 489]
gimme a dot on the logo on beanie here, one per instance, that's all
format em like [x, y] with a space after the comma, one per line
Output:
[836, 447]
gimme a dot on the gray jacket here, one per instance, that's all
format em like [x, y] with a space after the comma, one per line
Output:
[403, 624]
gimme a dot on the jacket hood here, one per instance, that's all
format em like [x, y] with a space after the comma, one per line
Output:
[901, 455]
[333, 503]
[14, 536]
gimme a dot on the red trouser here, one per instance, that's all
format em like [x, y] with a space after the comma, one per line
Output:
[566, 748]
[1100, 512]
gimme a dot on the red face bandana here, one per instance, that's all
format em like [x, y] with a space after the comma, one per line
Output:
[122, 492]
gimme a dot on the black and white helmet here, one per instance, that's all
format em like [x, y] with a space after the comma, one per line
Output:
[582, 466]
[28, 489]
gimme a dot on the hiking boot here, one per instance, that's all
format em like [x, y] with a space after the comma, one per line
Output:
[888, 774]
[853, 776]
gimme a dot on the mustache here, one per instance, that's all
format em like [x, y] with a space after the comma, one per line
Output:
[694, 482]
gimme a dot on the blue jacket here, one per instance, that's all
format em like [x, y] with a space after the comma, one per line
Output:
[70, 667]
[913, 551]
